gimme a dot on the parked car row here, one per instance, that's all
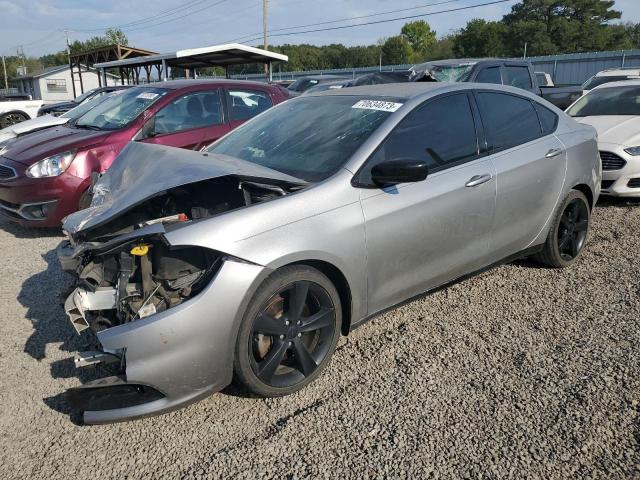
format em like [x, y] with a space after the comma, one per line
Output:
[46, 174]
[248, 256]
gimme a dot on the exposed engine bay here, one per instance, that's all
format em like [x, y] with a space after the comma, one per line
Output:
[125, 268]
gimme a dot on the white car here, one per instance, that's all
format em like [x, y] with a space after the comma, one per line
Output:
[611, 75]
[614, 110]
[16, 111]
[46, 121]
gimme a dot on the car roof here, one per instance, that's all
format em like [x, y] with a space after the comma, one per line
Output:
[323, 77]
[184, 83]
[415, 90]
[621, 83]
[619, 71]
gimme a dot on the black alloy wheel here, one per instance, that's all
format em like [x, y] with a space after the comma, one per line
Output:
[11, 118]
[289, 332]
[292, 335]
[574, 223]
[568, 232]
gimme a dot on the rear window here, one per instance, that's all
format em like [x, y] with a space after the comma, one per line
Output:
[509, 120]
[608, 101]
[517, 77]
[548, 119]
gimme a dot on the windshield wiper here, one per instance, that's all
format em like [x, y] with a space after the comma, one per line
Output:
[87, 127]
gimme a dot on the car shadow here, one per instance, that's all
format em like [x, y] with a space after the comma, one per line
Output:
[19, 231]
[43, 296]
[606, 201]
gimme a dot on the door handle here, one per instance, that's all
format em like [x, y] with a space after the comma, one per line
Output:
[478, 180]
[554, 152]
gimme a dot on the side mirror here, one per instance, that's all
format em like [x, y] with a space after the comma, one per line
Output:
[148, 129]
[402, 170]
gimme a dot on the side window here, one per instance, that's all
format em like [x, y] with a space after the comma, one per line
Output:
[517, 77]
[548, 119]
[441, 132]
[193, 110]
[244, 104]
[508, 120]
[489, 75]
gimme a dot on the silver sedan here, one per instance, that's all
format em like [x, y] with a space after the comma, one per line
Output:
[249, 259]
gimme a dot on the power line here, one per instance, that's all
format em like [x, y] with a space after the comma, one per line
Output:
[174, 19]
[408, 17]
[432, 4]
[151, 18]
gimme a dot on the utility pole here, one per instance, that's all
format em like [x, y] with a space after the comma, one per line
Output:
[265, 40]
[20, 52]
[525, 51]
[4, 69]
[73, 82]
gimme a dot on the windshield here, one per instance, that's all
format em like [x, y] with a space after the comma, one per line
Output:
[83, 108]
[310, 137]
[608, 101]
[303, 84]
[447, 73]
[594, 81]
[84, 96]
[118, 111]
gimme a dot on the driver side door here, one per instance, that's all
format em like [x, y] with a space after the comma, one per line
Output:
[192, 121]
[424, 234]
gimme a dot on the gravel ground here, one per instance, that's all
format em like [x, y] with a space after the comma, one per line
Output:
[520, 372]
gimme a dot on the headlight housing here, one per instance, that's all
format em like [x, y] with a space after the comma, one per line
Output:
[635, 151]
[51, 166]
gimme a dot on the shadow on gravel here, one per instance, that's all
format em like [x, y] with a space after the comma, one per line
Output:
[43, 294]
[616, 202]
[23, 232]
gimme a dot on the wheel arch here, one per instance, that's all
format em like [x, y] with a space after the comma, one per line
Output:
[339, 280]
[586, 190]
[15, 111]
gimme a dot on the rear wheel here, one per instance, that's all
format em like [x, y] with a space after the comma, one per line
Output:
[12, 118]
[288, 333]
[568, 233]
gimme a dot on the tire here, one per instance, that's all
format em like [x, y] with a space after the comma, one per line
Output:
[274, 358]
[11, 118]
[568, 233]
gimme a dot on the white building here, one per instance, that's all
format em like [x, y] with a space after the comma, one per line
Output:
[53, 84]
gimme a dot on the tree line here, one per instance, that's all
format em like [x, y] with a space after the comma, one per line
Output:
[542, 27]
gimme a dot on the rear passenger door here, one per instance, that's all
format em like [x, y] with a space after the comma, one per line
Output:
[530, 164]
[246, 103]
[421, 235]
[192, 121]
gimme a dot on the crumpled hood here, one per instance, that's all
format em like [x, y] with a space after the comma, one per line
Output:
[618, 129]
[143, 171]
[27, 126]
[38, 145]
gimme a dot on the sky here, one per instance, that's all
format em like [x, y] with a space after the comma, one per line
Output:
[169, 25]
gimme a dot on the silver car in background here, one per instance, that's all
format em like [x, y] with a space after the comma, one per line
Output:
[249, 259]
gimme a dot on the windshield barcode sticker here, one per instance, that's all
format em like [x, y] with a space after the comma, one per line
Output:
[377, 105]
[147, 95]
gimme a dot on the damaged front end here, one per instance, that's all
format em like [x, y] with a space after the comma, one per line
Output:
[133, 288]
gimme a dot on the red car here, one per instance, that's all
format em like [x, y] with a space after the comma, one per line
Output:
[46, 175]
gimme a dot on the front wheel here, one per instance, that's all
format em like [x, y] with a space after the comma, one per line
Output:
[289, 332]
[568, 233]
[12, 118]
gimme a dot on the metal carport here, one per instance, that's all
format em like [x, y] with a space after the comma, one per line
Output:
[192, 59]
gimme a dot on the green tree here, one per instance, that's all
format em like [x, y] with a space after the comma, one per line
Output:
[420, 37]
[396, 50]
[555, 26]
[480, 39]
[112, 36]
